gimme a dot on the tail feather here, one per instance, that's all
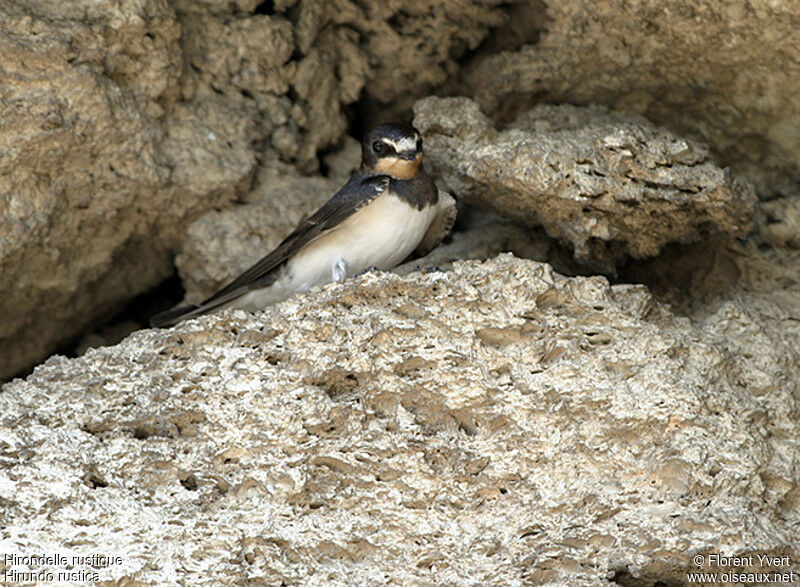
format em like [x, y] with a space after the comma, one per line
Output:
[175, 315]
[172, 316]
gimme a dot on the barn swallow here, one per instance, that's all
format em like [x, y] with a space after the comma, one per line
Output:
[389, 209]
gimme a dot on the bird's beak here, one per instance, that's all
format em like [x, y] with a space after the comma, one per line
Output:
[408, 155]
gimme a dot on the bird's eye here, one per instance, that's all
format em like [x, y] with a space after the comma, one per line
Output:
[377, 146]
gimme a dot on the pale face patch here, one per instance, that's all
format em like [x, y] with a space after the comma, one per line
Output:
[403, 144]
[399, 168]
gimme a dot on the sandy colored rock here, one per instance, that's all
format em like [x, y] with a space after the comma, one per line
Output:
[492, 423]
[609, 185]
[782, 223]
[322, 57]
[719, 278]
[85, 189]
[122, 122]
[498, 423]
[723, 71]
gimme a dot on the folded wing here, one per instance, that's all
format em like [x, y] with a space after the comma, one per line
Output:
[358, 192]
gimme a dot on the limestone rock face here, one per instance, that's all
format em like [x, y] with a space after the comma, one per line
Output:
[723, 71]
[497, 423]
[123, 121]
[296, 65]
[84, 180]
[608, 185]
[782, 226]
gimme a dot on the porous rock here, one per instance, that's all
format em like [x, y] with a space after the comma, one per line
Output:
[723, 71]
[608, 185]
[498, 423]
[782, 222]
[95, 180]
[123, 121]
[321, 57]
[748, 294]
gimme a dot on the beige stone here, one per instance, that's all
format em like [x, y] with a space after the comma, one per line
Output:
[722, 71]
[608, 185]
[204, 451]
[124, 121]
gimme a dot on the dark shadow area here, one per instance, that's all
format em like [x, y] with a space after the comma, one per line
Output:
[133, 316]
[686, 275]
[266, 7]
[525, 25]
[356, 125]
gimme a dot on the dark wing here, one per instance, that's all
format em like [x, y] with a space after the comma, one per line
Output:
[356, 193]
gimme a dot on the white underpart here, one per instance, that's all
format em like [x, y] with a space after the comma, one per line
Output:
[404, 144]
[381, 234]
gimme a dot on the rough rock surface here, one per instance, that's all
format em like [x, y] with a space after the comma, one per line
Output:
[724, 71]
[497, 424]
[122, 121]
[762, 286]
[782, 223]
[321, 57]
[84, 181]
[607, 184]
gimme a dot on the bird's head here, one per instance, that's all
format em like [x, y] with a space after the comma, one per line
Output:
[392, 149]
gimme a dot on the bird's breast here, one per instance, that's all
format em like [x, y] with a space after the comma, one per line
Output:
[381, 234]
